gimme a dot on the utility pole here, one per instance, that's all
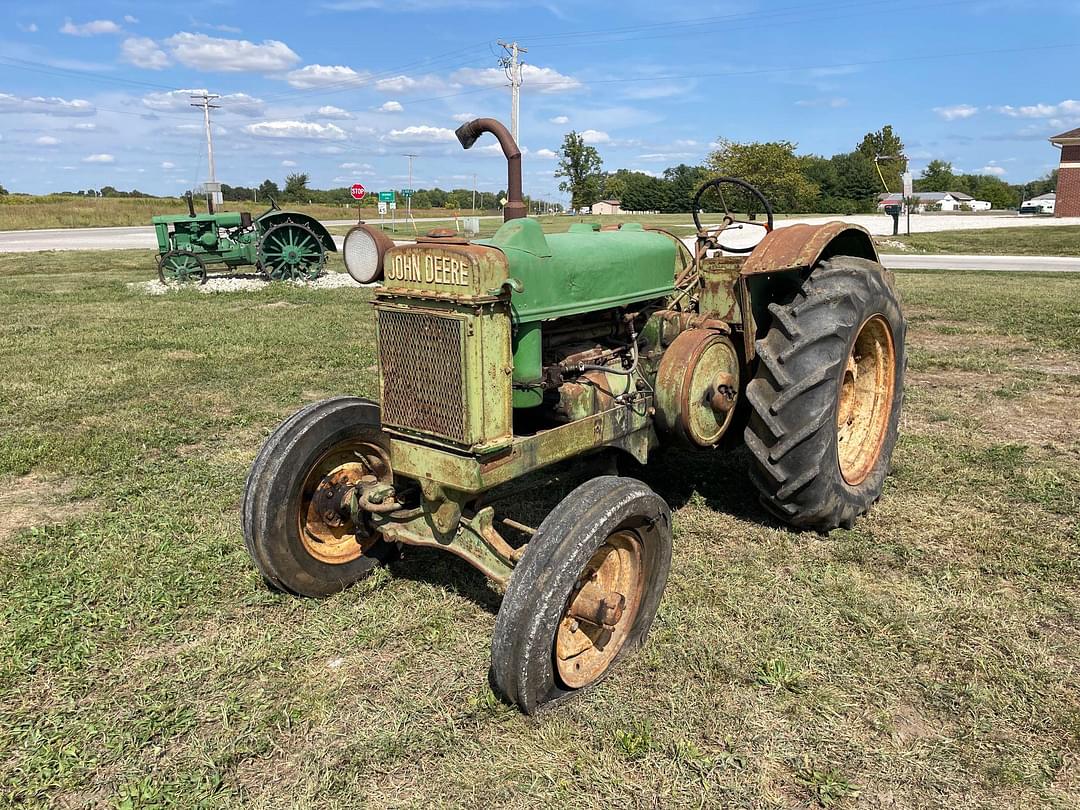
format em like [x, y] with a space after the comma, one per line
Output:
[512, 66]
[474, 193]
[408, 200]
[213, 188]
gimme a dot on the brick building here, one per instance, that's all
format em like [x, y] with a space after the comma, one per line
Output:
[1067, 203]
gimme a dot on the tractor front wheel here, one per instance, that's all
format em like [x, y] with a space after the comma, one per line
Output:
[301, 527]
[584, 593]
[181, 267]
[827, 394]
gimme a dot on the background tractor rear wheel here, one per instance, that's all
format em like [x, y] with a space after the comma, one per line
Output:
[291, 251]
[827, 394]
[181, 267]
[584, 594]
[297, 527]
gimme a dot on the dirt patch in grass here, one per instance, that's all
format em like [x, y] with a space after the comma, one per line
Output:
[36, 501]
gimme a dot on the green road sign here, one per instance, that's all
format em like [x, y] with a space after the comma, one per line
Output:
[406, 192]
[386, 196]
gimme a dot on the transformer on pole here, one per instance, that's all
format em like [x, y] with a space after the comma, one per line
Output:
[512, 65]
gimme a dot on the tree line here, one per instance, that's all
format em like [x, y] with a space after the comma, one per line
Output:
[844, 183]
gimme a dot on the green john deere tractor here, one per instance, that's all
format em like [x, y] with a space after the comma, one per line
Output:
[283, 245]
[505, 359]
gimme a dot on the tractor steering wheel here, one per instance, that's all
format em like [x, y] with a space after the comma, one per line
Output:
[729, 222]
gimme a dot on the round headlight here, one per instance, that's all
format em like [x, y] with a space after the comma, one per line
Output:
[363, 253]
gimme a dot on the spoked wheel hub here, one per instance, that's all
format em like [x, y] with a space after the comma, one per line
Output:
[332, 527]
[866, 398]
[601, 610]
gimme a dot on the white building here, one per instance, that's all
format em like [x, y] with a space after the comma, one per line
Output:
[606, 207]
[1043, 204]
[937, 200]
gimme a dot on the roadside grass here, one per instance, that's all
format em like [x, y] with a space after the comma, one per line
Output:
[1049, 240]
[18, 212]
[926, 657]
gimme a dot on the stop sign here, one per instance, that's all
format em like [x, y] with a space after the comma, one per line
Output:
[357, 191]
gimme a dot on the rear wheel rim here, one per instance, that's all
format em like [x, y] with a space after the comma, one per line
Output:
[585, 650]
[326, 524]
[866, 399]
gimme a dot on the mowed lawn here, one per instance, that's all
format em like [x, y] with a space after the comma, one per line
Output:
[926, 658]
[1046, 240]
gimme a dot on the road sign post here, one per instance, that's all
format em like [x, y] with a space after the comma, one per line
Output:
[908, 186]
[358, 192]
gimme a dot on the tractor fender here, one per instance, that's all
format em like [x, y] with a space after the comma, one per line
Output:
[801, 247]
[267, 222]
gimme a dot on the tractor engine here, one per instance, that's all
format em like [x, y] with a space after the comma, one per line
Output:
[478, 341]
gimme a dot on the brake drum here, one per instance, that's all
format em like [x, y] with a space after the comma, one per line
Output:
[697, 386]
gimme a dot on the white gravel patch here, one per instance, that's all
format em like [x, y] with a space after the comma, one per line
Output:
[893, 244]
[245, 283]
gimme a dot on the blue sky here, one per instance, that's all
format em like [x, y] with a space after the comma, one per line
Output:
[97, 93]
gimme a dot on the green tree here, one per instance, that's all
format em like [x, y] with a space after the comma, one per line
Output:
[580, 165]
[995, 191]
[268, 188]
[772, 167]
[296, 189]
[887, 149]
[3, 190]
[937, 176]
[682, 183]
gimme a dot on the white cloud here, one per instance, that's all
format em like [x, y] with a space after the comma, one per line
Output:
[546, 154]
[957, 111]
[311, 76]
[28, 28]
[421, 134]
[130, 20]
[330, 111]
[288, 163]
[542, 79]
[168, 165]
[47, 140]
[992, 168]
[143, 52]
[594, 136]
[463, 117]
[177, 100]
[560, 119]
[89, 29]
[99, 158]
[86, 127]
[296, 129]
[391, 106]
[1068, 108]
[410, 84]
[833, 103]
[52, 105]
[203, 52]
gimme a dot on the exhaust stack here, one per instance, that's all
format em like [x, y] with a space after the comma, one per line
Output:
[467, 135]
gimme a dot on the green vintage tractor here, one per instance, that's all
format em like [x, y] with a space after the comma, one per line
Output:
[507, 359]
[283, 245]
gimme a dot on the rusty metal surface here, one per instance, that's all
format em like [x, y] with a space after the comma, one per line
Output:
[866, 399]
[802, 246]
[719, 275]
[467, 134]
[601, 610]
[698, 373]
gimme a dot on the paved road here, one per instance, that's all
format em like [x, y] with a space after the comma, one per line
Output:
[1001, 264]
[139, 236]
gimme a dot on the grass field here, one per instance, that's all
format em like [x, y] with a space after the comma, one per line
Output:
[22, 213]
[926, 658]
[1056, 240]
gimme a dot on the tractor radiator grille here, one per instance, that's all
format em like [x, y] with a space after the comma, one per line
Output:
[421, 365]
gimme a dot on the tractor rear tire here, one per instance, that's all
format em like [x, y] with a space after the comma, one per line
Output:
[610, 537]
[827, 394]
[292, 554]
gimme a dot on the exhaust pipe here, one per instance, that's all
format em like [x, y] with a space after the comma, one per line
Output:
[467, 135]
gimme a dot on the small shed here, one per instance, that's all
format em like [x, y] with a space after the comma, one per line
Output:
[606, 207]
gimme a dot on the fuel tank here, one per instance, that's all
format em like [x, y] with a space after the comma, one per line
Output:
[584, 269]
